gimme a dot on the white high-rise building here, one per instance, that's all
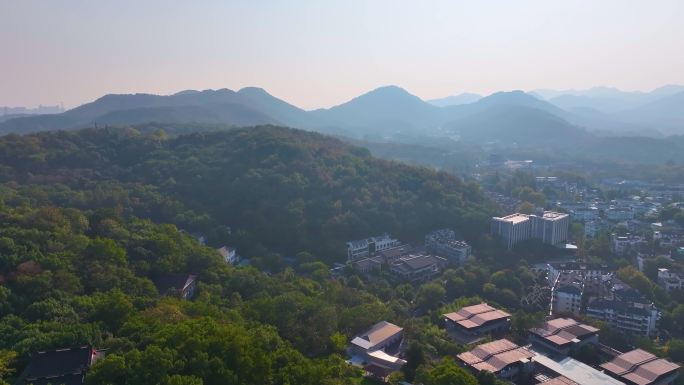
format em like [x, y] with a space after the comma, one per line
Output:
[550, 227]
[512, 228]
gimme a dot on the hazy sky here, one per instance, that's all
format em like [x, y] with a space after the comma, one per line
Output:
[320, 53]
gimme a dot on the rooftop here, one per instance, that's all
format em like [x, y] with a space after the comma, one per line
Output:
[514, 218]
[639, 367]
[495, 356]
[378, 333]
[66, 366]
[563, 331]
[553, 215]
[476, 315]
[575, 371]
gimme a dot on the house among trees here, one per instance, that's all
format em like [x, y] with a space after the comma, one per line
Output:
[229, 254]
[363, 248]
[473, 323]
[182, 285]
[444, 244]
[66, 366]
[639, 367]
[377, 349]
[418, 267]
[563, 336]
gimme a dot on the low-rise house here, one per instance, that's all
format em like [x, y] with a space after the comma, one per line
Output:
[639, 367]
[562, 336]
[473, 323]
[444, 244]
[176, 284]
[229, 254]
[367, 265]
[502, 357]
[378, 348]
[363, 248]
[66, 366]
[418, 268]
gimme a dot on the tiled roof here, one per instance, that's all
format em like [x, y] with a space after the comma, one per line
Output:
[376, 334]
[562, 331]
[639, 367]
[495, 356]
[476, 315]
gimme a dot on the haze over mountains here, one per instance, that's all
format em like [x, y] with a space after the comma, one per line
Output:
[540, 117]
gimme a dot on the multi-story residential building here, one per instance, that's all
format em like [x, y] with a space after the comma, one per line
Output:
[624, 244]
[670, 280]
[567, 292]
[550, 227]
[588, 270]
[418, 267]
[562, 336]
[444, 244]
[639, 367]
[503, 358]
[512, 228]
[626, 316]
[592, 228]
[363, 248]
[473, 323]
[619, 214]
[585, 214]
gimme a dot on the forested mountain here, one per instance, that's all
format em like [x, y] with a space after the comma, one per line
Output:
[391, 114]
[284, 189]
[77, 262]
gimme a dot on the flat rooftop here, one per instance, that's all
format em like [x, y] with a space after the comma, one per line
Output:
[554, 215]
[576, 371]
[514, 218]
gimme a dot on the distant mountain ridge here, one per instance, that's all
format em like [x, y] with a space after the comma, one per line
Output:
[387, 113]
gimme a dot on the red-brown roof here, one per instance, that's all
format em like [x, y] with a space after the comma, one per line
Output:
[563, 331]
[639, 367]
[495, 356]
[476, 315]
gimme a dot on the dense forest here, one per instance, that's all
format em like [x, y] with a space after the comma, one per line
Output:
[277, 189]
[90, 217]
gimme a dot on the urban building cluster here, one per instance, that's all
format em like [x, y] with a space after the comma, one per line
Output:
[593, 290]
[551, 355]
[442, 248]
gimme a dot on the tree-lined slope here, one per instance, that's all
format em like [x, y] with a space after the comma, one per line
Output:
[290, 189]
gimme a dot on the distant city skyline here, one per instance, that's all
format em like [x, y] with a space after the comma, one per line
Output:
[320, 54]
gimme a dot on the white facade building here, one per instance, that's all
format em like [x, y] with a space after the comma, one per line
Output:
[363, 248]
[551, 227]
